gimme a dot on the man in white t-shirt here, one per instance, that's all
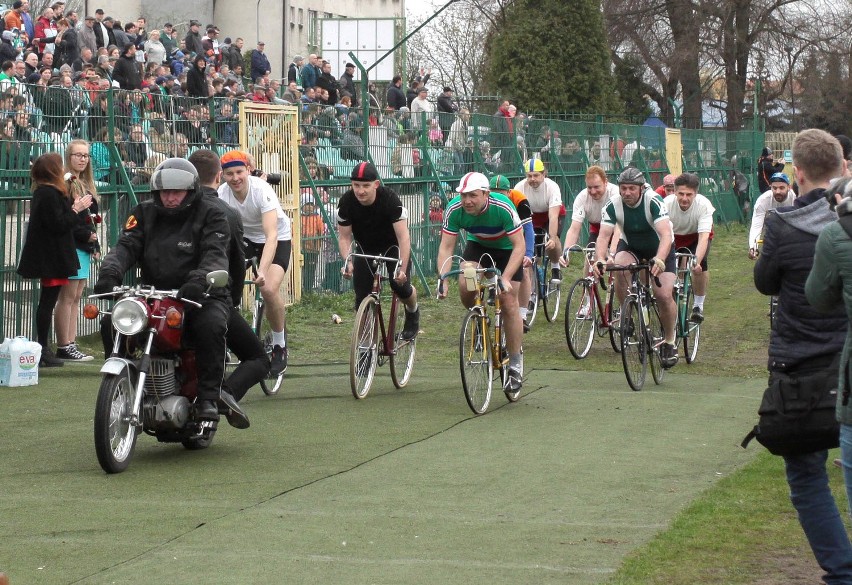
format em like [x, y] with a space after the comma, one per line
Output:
[588, 205]
[779, 195]
[691, 215]
[548, 212]
[268, 237]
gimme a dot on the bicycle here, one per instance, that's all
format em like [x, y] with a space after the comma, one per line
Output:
[773, 299]
[272, 384]
[641, 328]
[586, 313]
[373, 340]
[543, 290]
[482, 340]
[688, 331]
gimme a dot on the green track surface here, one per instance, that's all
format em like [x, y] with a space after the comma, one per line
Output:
[404, 487]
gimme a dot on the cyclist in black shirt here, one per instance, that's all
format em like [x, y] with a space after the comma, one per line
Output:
[374, 217]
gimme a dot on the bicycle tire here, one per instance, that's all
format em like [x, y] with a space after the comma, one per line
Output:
[475, 363]
[692, 331]
[655, 337]
[552, 294]
[363, 351]
[503, 367]
[613, 309]
[633, 351]
[532, 306]
[580, 318]
[256, 326]
[402, 358]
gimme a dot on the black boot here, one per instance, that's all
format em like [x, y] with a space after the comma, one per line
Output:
[232, 411]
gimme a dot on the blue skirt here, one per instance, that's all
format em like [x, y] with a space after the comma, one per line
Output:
[85, 261]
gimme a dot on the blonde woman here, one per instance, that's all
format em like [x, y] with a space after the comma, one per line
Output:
[81, 183]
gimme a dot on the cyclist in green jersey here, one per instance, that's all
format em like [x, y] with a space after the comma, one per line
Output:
[495, 237]
[646, 236]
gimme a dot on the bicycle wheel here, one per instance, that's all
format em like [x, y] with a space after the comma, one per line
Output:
[613, 309]
[503, 366]
[552, 294]
[580, 317]
[633, 350]
[363, 352]
[532, 306]
[655, 337]
[692, 330]
[402, 358]
[475, 362]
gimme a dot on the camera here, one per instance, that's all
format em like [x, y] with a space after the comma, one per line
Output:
[271, 178]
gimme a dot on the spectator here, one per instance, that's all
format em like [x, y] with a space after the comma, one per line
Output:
[375, 105]
[292, 94]
[166, 39]
[457, 139]
[155, 50]
[67, 45]
[49, 253]
[329, 84]
[804, 343]
[104, 35]
[141, 33]
[422, 110]
[126, 71]
[210, 43]
[80, 183]
[411, 94]
[294, 71]
[7, 51]
[13, 18]
[447, 109]
[192, 40]
[347, 83]
[308, 73]
[766, 167]
[503, 134]
[235, 56]
[121, 38]
[45, 32]
[196, 78]
[259, 63]
[313, 228]
[258, 95]
[29, 25]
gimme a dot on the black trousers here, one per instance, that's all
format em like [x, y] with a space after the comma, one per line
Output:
[254, 363]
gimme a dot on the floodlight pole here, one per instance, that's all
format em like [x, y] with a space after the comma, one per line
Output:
[365, 99]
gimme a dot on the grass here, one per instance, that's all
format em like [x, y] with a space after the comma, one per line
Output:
[742, 529]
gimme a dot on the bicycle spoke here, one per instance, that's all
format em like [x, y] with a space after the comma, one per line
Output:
[363, 356]
[475, 362]
[633, 349]
[580, 317]
[402, 358]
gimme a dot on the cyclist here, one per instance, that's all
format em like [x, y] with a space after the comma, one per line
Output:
[548, 212]
[500, 184]
[691, 215]
[779, 195]
[494, 232]
[646, 235]
[268, 237]
[588, 206]
[375, 218]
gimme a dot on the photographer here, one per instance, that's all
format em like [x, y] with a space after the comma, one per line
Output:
[766, 167]
[271, 178]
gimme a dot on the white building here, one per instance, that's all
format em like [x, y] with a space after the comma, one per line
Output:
[288, 27]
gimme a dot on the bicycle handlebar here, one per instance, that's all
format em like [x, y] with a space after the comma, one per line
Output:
[491, 270]
[632, 268]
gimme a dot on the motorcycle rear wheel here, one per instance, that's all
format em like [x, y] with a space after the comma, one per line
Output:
[115, 436]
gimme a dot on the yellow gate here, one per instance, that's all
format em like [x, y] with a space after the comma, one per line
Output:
[270, 133]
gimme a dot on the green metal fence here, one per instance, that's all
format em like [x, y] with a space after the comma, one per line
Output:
[422, 157]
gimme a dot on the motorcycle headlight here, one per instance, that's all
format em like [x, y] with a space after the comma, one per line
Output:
[129, 316]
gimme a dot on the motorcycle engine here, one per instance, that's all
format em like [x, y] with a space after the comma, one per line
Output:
[162, 407]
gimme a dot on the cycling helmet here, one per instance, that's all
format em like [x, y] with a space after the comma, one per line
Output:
[500, 182]
[175, 174]
[631, 176]
[534, 165]
[473, 182]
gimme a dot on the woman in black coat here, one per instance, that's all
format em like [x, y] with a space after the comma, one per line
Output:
[49, 252]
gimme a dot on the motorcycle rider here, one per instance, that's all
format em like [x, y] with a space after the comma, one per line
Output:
[176, 239]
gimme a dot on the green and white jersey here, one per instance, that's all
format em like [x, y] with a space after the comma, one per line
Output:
[637, 224]
[491, 228]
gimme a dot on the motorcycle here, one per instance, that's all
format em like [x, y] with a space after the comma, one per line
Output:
[150, 380]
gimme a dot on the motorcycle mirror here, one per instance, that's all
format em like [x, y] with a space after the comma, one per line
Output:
[217, 278]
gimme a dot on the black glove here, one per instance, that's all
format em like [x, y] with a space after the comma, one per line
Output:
[106, 283]
[192, 291]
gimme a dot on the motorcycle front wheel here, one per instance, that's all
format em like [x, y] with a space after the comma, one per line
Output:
[115, 436]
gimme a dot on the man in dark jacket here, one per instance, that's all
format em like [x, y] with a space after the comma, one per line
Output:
[447, 109]
[805, 342]
[294, 71]
[192, 40]
[176, 239]
[126, 71]
[395, 97]
[259, 62]
[347, 83]
[196, 78]
[766, 167]
[327, 82]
